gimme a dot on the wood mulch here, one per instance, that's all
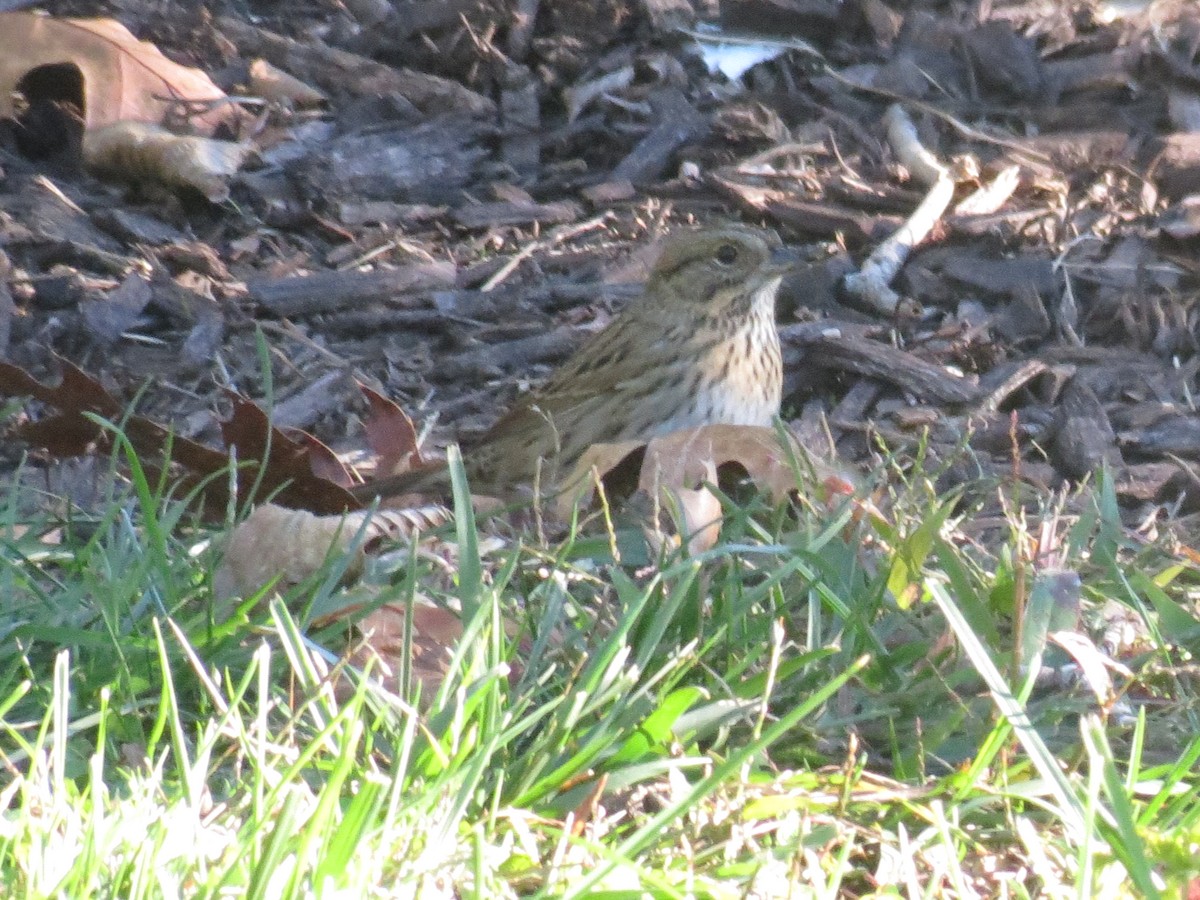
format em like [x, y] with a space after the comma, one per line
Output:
[487, 181]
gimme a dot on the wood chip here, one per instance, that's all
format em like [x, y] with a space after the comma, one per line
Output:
[916, 376]
[329, 291]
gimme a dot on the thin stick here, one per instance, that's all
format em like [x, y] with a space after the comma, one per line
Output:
[872, 282]
[558, 235]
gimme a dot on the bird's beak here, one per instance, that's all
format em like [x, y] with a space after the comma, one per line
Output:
[783, 260]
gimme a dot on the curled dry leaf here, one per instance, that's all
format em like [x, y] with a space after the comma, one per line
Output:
[124, 79]
[676, 466]
[686, 458]
[391, 435]
[289, 544]
[136, 150]
[699, 517]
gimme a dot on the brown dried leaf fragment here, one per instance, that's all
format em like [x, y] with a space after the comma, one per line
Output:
[291, 544]
[391, 435]
[435, 633]
[682, 462]
[123, 79]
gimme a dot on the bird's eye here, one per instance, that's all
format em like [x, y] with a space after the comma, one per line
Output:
[727, 254]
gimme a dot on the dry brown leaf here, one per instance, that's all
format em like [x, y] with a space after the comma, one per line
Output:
[686, 458]
[700, 512]
[124, 79]
[322, 460]
[391, 435]
[435, 633]
[291, 544]
[69, 429]
[133, 151]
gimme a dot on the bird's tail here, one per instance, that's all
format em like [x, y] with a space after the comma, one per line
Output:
[430, 480]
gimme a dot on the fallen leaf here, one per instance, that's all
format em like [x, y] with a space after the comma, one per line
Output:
[322, 460]
[391, 435]
[70, 432]
[274, 542]
[435, 634]
[286, 464]
[124, 79]
[687, 458]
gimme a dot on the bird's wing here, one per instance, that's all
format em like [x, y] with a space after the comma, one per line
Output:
[586, 382]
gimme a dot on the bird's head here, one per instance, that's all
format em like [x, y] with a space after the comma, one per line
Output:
[717, 272]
